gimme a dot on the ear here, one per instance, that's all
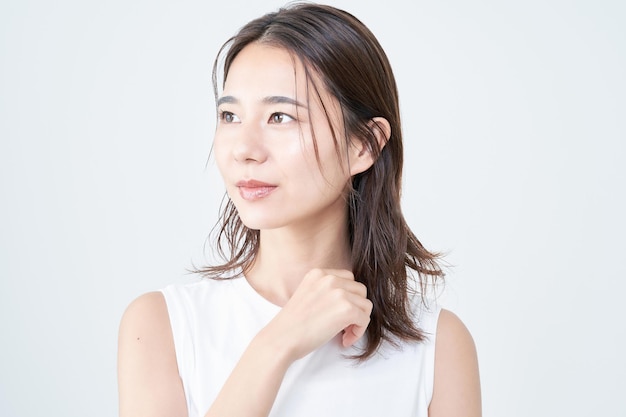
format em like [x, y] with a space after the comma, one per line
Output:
[361, 156]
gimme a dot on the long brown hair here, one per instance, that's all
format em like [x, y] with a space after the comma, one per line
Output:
[354, 68]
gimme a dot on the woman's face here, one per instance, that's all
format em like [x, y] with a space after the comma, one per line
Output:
[264, 145]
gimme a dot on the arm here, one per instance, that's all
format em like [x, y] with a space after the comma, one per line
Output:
[325, 303]
[456, 389]
[148, 380]
[258, 375]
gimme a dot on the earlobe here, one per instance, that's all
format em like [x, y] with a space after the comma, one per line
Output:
[364, 157]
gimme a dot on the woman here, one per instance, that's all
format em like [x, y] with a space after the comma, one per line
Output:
[320, 307]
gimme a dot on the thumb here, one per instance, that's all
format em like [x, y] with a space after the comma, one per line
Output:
[351, 334]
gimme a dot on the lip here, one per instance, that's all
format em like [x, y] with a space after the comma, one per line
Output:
[253, 184]
[252, 190]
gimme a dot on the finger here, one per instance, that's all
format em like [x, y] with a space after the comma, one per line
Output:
[341, 273]
[358, 322]
[349, 283]
[352, 334]
[331, 282]
[353, 287]
[363, 304]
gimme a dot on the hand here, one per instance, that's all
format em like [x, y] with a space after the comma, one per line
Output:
[325, 303]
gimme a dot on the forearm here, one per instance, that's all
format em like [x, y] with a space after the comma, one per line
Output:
[251, 388]
[325, 303]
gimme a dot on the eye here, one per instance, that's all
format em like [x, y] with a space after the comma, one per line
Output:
[279, 118]
[228, 117]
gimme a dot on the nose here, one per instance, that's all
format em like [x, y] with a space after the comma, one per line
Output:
[249, 146]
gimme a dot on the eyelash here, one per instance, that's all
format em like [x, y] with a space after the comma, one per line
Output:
[223, 115]
[280, 114]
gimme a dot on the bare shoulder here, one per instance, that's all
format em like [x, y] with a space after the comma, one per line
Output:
[457, 383]
[145, 313]
[148, 379]
[450, 327]
[146, 324]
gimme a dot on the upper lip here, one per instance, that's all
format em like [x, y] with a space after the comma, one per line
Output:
[253, 184]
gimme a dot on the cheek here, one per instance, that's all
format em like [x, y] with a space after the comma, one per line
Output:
[220, 153]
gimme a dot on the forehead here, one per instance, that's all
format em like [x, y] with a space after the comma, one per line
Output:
[261, 70]
[261, 67]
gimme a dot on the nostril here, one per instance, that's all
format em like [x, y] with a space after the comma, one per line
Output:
[249, 150]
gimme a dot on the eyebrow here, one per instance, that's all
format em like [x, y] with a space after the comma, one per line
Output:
[266, 100]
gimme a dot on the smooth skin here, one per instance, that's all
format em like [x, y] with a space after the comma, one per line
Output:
[303, 263]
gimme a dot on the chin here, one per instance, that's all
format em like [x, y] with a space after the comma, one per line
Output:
[259, 217]
[256, 222]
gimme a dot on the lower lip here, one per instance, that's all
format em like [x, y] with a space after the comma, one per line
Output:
[255, 193]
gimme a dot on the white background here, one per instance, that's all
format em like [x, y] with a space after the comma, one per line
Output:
[515, 145]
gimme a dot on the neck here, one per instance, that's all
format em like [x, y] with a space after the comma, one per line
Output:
[286, 255]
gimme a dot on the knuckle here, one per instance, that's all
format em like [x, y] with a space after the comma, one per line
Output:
[330, 282]
[363, 289]
[343, 304]
[315, 272]
[338, 295]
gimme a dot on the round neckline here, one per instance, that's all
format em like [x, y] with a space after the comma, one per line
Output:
[255, 297]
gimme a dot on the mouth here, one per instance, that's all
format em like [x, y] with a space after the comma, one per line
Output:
[252, 190]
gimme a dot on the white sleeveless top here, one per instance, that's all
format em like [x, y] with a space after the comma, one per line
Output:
[213, 321]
